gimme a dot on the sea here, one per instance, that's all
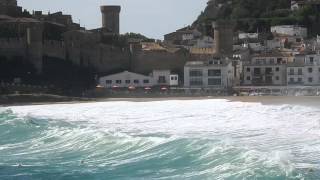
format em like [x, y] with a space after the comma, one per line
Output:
[160, 140]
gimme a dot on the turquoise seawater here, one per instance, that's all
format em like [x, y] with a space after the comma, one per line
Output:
[192, 139]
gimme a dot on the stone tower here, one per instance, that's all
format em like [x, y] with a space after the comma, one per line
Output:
[8, 2]
[223, 37]
[110, 18]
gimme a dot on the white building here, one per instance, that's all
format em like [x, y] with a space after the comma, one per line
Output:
[129, 79]
[298, 4]
[274, 44]
[290, 30]
[265, 70]
[312, 70]
[248, 36]
[165, 78]
[215, 73]
[305, 70]
[294, 5]
[126, 79]
[296, 71]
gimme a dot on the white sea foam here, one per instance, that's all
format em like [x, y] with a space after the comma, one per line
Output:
[247, 135]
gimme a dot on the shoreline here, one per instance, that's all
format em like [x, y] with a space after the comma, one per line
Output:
[32, 99]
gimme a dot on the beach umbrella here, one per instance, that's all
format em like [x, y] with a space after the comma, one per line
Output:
[131, 88]
[99, 86]
[147, 88]
[115, 87]
[164, 88]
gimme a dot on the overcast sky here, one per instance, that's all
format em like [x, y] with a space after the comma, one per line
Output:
[153, 18]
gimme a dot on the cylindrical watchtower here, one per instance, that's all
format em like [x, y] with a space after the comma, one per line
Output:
[110, 18]
[223, 37]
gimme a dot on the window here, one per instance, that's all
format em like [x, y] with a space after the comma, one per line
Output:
[291, 71]
[272, 61]
[108, 81]
[299, 80]
[311, 60]
[310, 70]
[248, 70]
[300, 71]
[118, 81]
[162, 80]
[291, 80]
[248, 78]
[146, 81]
[214, 72]
[214, 81]
[174, 78]
[136, 81]
[279, 60]
[268, 71]
[277, 69]
[257, 71]
[319, 69]
[196, 82]
[277, 78]
[310, 79]
[128, 81]
[195, 73]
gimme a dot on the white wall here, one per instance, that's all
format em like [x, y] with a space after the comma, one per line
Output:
[156, 74]
[127, 79]
[290, 30]
[226, 77]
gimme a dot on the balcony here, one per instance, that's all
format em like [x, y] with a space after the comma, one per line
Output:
[295, 74]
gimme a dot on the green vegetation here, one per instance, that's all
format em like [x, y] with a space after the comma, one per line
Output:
[253, 15]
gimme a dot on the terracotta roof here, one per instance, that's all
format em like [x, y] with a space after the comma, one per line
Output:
[272, 54]
[202, 50]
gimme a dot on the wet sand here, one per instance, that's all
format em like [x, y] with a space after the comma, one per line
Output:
[313, 101]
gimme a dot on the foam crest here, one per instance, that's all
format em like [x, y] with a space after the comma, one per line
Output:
[192, 139]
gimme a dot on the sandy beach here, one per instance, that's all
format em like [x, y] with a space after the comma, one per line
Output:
[313, 101]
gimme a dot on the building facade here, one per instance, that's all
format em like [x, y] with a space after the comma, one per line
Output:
[125, 80]
[290, 30]
[216, 73]
[304, 71]
[265, 70]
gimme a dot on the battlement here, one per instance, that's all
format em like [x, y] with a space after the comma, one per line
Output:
[110, 18]
[108, 9]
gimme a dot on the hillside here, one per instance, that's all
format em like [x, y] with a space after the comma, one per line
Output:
[253, 15]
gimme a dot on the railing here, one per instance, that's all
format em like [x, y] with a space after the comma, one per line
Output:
[295, 74]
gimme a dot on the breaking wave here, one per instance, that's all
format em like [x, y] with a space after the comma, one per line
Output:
[191, 139]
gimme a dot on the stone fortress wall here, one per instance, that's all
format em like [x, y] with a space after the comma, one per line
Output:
[86, 47]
